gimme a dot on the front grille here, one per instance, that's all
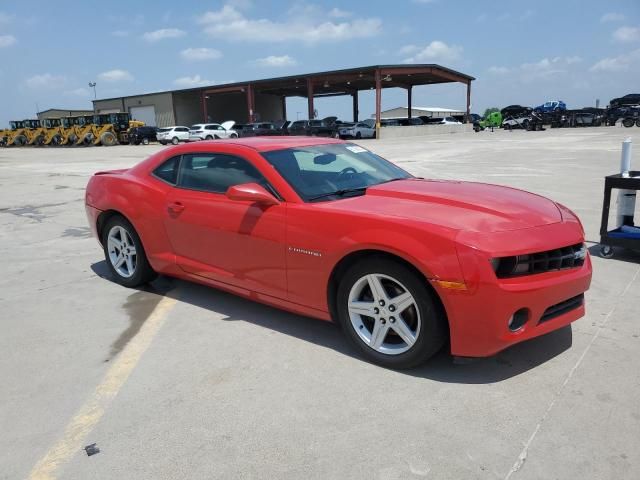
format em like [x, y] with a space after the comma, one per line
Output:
[561, 308]
[540, 262]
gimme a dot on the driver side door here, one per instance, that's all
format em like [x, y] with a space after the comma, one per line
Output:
[238, 243]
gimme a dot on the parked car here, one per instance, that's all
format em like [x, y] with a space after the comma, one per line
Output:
[314, 128]
[172, 135]
[260, 129]
[356, 130]
[144, 135]
[548, 107]
[212, 131]
[389, 122]
[328, 229]
[516, 116]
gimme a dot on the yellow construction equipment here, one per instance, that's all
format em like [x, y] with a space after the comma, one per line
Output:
[108, 130]
[54, 131]
[17, 135]
[35, 132]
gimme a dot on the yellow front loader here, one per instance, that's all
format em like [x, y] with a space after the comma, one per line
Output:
[17, 136]
[71, 128]
[53, 131]
[35, 132]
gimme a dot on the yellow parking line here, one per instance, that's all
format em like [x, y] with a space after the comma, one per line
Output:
[92, 411]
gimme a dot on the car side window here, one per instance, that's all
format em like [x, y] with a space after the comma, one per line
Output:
[168, 171]
[212, 172]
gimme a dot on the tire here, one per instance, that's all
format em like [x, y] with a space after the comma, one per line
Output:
[358, 135]
[108, 139]
[233, 135]
[606, 251]
[525, 124]
[175, 141]
[638, 122]
[208, 137]
[422, 322]
[163, 143]
[56, 140]
[20, 141]
[215, 137]
[135, 271]
[628, 122]
[145, 141]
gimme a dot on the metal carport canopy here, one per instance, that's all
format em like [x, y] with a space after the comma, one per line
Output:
[346, 82]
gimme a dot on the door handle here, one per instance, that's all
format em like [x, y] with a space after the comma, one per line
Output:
[175, 207]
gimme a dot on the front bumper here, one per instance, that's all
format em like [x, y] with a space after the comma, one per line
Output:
[479, 316]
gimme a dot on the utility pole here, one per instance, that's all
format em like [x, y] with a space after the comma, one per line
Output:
[93, 85]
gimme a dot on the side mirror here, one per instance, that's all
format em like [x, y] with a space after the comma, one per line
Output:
[251, 192]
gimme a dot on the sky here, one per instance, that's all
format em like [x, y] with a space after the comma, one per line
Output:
[519, 52]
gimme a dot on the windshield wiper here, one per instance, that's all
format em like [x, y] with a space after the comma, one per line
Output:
[339, 193]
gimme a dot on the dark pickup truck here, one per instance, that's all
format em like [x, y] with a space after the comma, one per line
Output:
[314, 128]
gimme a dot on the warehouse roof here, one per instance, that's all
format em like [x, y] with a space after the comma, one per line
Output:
[337, 82]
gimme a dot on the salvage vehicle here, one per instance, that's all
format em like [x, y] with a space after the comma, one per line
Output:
[548, 107]
[631, 99]
[212, 131]
[173, 135]
[143, 135]
[493, 120]
[356, 130]
[260, 129]
[328, 229]
[314, 128]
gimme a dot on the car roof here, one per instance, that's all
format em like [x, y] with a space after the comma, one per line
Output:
[266, 144]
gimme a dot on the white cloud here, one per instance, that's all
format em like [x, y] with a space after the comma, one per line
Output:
[195, 81]
[627, 34]
[120, 33]
[115, 75]
[200, 54]
[46, 81]
[498, 70]
[621, 63]
[163, 34]
[339, 13]
[275, 61]
[230, 24]
[7, 40]
[612, 17]
[436, 50]
[408, 49]
[81, 92]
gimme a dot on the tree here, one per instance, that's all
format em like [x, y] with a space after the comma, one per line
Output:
[489, 111]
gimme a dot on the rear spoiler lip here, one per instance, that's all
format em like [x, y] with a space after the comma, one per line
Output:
[118, 171]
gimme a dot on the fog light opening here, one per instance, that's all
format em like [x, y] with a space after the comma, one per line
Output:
[518, 319]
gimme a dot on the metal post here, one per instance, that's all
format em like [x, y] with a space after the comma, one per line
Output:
[310, 98]
[378, 102]
[409, 105]
[354, 96]
[284, 108]
[250, 103]
[626, 198]
[468, 100]
[204, 106]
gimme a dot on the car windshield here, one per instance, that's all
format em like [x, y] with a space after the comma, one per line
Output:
[164, 130]
[332, 171]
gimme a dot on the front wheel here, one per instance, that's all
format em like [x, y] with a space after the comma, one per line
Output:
[606, 251]
[145, 141]
[233, 135]
[389, 314]
[175, 141]
[125, 254]
[628, 122]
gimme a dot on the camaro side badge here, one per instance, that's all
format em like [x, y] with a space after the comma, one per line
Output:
[305, 251]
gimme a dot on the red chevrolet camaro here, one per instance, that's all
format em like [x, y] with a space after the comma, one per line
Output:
[328, 229]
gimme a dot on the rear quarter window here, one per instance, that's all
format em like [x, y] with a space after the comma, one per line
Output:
[168, 171]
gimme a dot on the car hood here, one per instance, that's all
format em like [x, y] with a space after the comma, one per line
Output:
[467, 206]
[228, 125]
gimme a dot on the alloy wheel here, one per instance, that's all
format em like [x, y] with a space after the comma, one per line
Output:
[122, 251]
[384, 314]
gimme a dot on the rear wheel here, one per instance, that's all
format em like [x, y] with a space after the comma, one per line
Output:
[233, 135]
[628, 122]
[638, 123]
[108, 139]
[175, 140]
[208, 137]
[145, 141]
[125, 254]
[163, 143]
[20, 140]
[358, 135]
[389, 314]
[606, 251]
